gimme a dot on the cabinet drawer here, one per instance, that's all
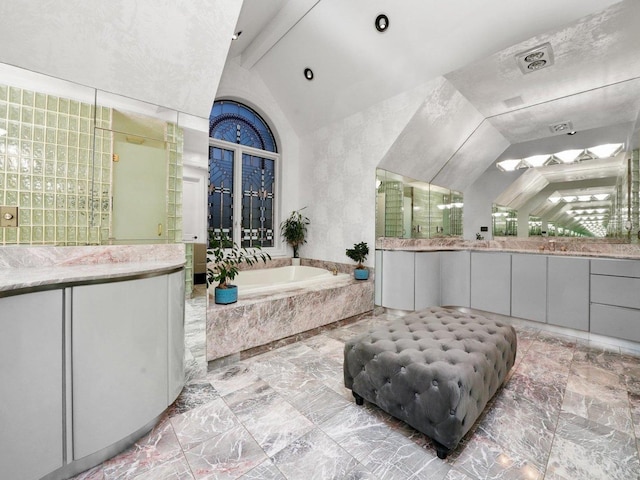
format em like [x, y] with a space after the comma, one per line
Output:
[617, 291]
[621, 268]
[615, 322]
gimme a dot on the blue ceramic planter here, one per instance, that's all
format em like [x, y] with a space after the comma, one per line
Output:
[224, 296]
[361, 273]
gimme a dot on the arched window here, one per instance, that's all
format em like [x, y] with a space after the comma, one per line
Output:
[242, 176]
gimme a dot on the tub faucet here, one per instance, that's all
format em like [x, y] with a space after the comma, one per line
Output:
[334, 270]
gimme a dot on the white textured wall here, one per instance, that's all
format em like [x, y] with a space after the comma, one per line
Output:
[161, 51]
[337, 175]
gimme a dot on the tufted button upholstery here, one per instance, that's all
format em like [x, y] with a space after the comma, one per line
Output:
[435, 369]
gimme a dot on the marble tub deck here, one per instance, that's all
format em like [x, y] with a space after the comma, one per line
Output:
[570, 410]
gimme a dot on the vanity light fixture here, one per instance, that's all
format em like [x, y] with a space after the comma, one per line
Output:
[308, 74]
[236, 35]
[382, 23]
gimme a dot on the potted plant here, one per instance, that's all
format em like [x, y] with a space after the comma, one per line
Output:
[225, 263]
[359, 254]
[294, 231]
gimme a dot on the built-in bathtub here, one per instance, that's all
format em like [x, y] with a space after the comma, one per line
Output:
[270, 280]
[282, 303]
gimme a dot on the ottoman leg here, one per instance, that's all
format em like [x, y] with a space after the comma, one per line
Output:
[441, 450]
[359, 399]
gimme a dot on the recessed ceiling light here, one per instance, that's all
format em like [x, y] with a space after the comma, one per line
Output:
[382, 22]
[308, 73]
[236, 35]
[561, 127]
[537, 65]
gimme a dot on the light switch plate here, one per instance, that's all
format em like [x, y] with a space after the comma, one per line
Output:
[8, 216]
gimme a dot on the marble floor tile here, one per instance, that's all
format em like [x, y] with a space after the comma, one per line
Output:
[226, 456]
[314, 456]
[612, 412]
[356, 429]
[273, 422]
[265, 471]
[583, 449]
[569, 410]
[192, 396]
[234, 377]
[201, 423]
[396, 457]
[157, 447]
[519, 426]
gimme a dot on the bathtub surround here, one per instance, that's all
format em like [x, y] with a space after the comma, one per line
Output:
[262, 319]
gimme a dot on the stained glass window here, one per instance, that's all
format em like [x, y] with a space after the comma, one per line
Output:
[253, 174]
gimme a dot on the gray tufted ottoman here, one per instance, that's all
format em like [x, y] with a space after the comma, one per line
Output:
[435, 369]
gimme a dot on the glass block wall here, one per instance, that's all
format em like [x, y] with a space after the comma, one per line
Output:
[59, 174]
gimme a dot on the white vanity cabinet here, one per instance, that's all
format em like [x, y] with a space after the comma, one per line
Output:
[615, 298]
[529, 287]
[31, 384]
[398, 282]
[568, 292]
[86, 369]
[491, 282]
[455, 277]
[427, 280]
[119, 360]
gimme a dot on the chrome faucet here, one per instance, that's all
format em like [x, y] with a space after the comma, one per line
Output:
[334, 270]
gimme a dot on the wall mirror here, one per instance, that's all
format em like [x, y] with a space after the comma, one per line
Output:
[85, 167]
[409, 208]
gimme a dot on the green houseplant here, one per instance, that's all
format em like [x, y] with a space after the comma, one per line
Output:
[359, 254]
[222, 267]
[294, 230]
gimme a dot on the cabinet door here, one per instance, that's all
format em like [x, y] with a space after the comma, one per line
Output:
[398, 280]
[455, 272]
[427, 280]
[175, 298]
[119, 360]
[529, 287]
[568, 292]
[491, 282]
[31, 327]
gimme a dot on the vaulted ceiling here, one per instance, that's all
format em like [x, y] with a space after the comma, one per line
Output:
[480, 107]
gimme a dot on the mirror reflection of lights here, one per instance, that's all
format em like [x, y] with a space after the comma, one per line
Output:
[564, 157]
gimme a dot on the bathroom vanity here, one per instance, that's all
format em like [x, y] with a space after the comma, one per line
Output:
[91, 353]
[588, 291]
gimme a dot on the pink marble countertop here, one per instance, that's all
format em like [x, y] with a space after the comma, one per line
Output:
[559, 247]
[28, 268]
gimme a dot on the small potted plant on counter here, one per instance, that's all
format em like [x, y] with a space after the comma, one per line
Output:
[224, 268]
[294, 231]
[359, 254]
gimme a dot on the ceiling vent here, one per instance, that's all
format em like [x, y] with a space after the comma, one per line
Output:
[536, 58]
[561, 127]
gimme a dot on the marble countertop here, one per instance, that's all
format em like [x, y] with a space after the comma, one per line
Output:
[42, 267]
[548, 247]
[12, 279]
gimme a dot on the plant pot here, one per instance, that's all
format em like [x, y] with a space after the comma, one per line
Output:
[225, 296]
[295, 261]
[361, 273]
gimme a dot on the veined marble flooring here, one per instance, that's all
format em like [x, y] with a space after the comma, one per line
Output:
[570, 410]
